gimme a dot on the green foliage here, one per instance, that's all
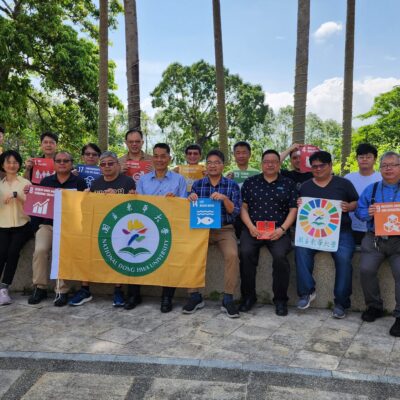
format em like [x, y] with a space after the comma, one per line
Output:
[385, 130]
[49, 70]
[187, 106]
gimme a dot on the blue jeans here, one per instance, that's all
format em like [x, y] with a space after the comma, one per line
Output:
[344, 270]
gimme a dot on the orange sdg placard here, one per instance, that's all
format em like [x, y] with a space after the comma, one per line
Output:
[387, 219]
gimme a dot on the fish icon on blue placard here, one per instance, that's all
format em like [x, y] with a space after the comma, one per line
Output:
[205, 221]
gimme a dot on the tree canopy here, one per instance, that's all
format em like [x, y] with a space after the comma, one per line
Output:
[49, 68]
[187, 106]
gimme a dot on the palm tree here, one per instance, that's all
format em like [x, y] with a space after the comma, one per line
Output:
[132, 63]
[103, 76]
[220, 79]
[348, 84]
[301, 78]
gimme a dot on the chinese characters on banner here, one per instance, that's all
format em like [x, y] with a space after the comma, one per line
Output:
[305, 152]
[137, 168]
[42, 167]
[318, 224]
[191, 173]
[40, 202]
[387, 219]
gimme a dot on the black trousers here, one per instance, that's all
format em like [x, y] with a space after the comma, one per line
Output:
[249, 255]
[12, 240]
[134, 291]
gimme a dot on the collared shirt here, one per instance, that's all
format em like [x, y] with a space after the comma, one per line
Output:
[12, 214]
[269, 201]
[203, 188]
[171, 183]
[385, 193]
[73, 182]
[143, 157]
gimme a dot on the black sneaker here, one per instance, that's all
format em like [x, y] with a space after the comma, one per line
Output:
[281, 309]
[132, 302]
[37, 296]
[61, 300]
[166, 304]
[395, 329]
[192, 305]
[230, 309]
[247, 304]
[371, 314]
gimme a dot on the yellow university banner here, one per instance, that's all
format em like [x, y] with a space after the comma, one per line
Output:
[127, 239]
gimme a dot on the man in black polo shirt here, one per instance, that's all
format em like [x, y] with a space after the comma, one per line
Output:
[62, 179]
[267, 197]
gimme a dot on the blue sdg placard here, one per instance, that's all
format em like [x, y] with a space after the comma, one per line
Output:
[205, 213]
[88, 173]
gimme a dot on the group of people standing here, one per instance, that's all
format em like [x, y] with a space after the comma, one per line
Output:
[268, 194]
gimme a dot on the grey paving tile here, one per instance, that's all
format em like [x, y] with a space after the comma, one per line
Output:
[7, 378]
[309, 359]
[370, 347]
[70, 386]
[295, 393]
[363, 366]
[120, 335]
[271, 352]
[194, 390]
[221, 325]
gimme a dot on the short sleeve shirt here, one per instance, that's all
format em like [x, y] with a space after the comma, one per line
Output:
[122, 185]
[269, 201]
[337, 189]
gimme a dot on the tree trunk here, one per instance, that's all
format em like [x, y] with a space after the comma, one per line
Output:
[220, 79]
[132, 64]
[348, 84]
[301, 78]
[103, 76]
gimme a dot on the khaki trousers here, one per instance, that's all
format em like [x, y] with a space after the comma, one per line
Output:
[41, 255]
[226, 241]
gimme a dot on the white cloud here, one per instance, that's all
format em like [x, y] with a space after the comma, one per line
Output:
[390, 58]
[326, 99]
[280, 37]
[326, 30]
[145, 105]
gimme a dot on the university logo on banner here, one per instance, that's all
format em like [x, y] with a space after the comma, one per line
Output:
[89, 173]
[135, 238]
[127, 239]
[306, 152]
[42, 167]
[387, 219]
[318, 224]
[205, 213]
[40, 202]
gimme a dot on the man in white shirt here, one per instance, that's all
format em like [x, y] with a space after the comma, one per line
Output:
[366, 158]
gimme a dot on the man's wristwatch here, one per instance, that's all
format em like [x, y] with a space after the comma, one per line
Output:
[15, 194]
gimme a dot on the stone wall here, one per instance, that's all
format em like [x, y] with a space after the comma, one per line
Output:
[323, 274]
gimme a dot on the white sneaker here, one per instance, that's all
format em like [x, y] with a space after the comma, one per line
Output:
[4, 297]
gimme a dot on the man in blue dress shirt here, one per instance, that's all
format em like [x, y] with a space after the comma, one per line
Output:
[374, 249]
[159, 182]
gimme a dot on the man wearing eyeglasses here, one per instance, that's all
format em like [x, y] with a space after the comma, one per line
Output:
[327, 186]
[366, 158]
[375, 249]
[111, 182]
[215, 186]
[134, 142]
[61, 179]
[270, 197]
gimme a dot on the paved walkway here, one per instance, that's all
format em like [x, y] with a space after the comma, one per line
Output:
[305, 346]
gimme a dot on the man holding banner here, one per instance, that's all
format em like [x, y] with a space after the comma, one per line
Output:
[379, 206]
[326, 186]
[215, 186]
[159, 182]
[62, 179]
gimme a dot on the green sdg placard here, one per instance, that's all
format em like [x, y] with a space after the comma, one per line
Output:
[135, 238]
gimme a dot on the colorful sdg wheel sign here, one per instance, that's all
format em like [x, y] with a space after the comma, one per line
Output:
[319, 218]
